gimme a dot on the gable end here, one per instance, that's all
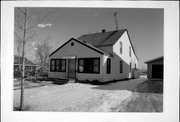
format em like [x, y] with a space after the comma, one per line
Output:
[78, 42]
[131, 44]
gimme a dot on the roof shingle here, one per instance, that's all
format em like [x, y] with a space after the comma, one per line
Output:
[102, 39]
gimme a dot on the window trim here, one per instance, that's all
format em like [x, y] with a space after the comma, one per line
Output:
[108, 67]
[90, 59]
[55, 65]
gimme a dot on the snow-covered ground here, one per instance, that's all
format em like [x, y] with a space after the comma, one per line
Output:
[80, 97]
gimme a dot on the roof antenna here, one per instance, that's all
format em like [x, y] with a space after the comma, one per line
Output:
[116, 20]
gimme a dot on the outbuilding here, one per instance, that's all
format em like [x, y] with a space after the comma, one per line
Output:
[155, 68]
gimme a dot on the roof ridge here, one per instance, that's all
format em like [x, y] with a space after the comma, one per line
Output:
[154, 59]
[102, 32]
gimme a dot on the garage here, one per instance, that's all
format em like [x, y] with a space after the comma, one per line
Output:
[157, 71]
[155, 68]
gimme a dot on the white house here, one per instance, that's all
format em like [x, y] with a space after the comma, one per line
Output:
[101, 56]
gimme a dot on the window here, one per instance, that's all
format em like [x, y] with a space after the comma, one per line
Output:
[52, 65]
[58, 65]
[108, 68]
[120, 47]
[121, 66]
[130, 67]
[89, 65]
[129, 51]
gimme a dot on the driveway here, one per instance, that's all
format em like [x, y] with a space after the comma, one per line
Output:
[77, 96]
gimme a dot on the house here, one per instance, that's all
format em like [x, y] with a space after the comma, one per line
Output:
[30, 67]
[103, 56]
[155, 68]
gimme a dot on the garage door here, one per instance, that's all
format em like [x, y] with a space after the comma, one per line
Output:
[157, 71]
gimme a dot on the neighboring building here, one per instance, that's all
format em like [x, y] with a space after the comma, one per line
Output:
[101, 56]
[29, 66]
[155, 68]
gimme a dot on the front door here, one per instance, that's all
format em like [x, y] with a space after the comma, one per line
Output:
[71, 68]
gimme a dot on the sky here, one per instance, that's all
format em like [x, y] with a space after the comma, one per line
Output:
[145, 27]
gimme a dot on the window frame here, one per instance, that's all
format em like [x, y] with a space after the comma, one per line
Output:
[84, 65]
[55, 65]
[108, 66]
[120, 66]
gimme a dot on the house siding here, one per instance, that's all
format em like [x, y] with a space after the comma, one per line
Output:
[125, 57]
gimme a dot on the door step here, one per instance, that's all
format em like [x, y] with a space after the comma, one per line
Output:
[71, 81]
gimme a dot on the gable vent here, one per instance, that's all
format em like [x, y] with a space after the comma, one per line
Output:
[103, 30]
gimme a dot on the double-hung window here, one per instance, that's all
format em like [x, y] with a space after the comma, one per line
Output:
[121, 46]
[121, 67]
[130, 67]
[58, 65]
[130, 51]
[108, 68]
[88, 65]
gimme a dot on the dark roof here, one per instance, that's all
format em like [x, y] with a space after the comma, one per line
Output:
[154, 59]
[19, 60]
[102, 39]
[108, 38]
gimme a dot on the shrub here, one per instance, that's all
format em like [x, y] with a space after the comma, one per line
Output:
[95, 82]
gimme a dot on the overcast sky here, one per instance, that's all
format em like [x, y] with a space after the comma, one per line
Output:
[145, 26]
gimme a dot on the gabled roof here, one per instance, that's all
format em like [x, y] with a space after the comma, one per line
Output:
[96, 40]
[83, 43]
[18, 60]
[155, 59]
[102, 39]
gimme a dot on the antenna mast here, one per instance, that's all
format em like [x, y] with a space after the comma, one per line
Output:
[116, 20]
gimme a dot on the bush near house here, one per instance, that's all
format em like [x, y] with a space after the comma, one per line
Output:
[42, 72]
[93, 82]
[97, 82]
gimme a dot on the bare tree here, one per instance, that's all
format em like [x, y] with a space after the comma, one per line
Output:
[23, 58]
[42, 54]
[25, 32]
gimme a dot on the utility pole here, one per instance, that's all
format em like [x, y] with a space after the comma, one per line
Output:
[116, 20]
[23, 58]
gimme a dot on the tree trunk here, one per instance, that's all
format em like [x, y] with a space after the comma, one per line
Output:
[23, 63]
